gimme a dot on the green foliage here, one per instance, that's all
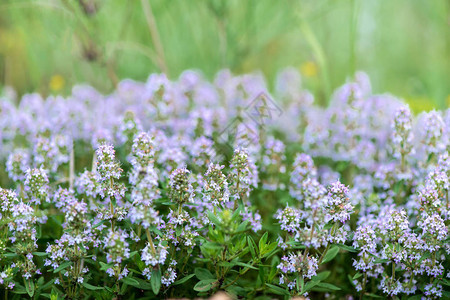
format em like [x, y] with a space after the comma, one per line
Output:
[51, 45]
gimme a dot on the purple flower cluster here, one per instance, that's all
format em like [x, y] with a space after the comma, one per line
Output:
[163, 196]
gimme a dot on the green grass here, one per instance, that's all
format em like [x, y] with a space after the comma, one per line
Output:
[403, 45]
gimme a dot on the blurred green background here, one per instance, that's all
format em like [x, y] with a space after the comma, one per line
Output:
[404, 45]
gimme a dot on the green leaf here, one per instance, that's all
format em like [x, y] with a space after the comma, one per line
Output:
[331, 254]
[29, 285]
[328, 286]
[205, 285]
[104, 267]
[357, 275]
[242, 264]
[426, 255]
[40, 253]
[155, 281]
[277, 290]
[269, 248]
[98, 224]
[184, 279]
[214, 219]
[350, 279]
[143, 284]
[133, 254]
[130, 281]
[252, 246]
[309, 285]
[62, 266]
[262, 242]
[347, 248]
[228, 264]
[19, 289]
[46, 285]
[328, 226]
[261, 274]
[91, 287]
[374, 296]
[236, 213]
[203, 274]
[242, 227]
[321, 276]
[381, 261]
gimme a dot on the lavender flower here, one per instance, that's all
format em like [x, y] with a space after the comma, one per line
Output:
[180, 187]
[338, 203]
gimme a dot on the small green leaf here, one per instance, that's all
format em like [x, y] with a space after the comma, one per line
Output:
[91, 287]
[29, 285]
[357, 275]
[130, 281]
[203, 274]
[143, 284]
[104, 267]
[155, 281]
[262, 242]
[252, 246]
[228, 264]
[269, 248]
[242, 264]
[321, 276]
[277, 290]
[184, 279]
[133, 254]
[347, 248]
[262, 274]
[98, 224]
[331, 254]
[214, 219]
[374, 296]
[350, 279]
[62, 266]
[381, 261]
[46, 285]
[242, 227]
[40, 253]
[328, 286]
[308, 286]
[205, 285]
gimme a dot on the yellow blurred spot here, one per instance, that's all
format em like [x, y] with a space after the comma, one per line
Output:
[448, 101]
[56, 83]
[309, 69]
[419, 104]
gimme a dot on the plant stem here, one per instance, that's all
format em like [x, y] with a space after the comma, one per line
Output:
[237, 190]
[150, 240]
[328, 245]
[71, 168]
[151, 23]
[363, 291]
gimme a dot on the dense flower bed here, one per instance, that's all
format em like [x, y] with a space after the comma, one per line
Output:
[184, 188]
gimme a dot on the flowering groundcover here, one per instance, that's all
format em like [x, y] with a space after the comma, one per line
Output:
[184, 188]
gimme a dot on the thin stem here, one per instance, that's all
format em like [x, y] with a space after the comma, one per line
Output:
[150, 240]
[111, 206]
[71, 168]
[151, 23]
[352, 40]
[236, 279]
[363, 291]
[237, 189]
